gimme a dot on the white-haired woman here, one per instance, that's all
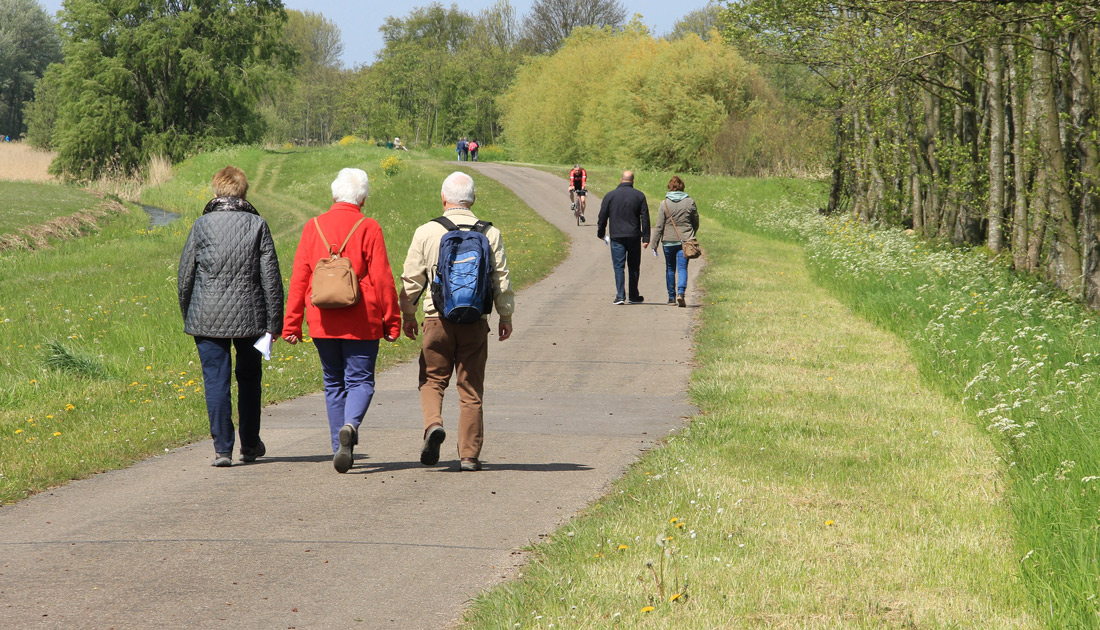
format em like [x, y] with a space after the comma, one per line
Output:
[346, 338]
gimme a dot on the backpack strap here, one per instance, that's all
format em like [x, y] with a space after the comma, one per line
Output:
[479, 226]
[337, 253]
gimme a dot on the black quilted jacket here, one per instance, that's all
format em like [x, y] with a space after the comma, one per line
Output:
[229, 282]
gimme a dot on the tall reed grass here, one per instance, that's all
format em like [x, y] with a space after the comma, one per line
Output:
[23, 163]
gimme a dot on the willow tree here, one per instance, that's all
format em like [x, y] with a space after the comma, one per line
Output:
[163, 77]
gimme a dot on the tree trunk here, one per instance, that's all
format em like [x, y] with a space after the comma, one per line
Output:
[1021, 172]
[994, 65]
[1065, 262]
[836, 190]
[1083, 115]
[931, 135]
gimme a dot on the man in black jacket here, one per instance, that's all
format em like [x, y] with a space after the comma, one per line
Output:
[624, 217]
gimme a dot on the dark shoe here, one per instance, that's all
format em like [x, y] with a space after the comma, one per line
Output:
[680, 301]
[429, 452]
[618, 301]
[671, 300]
[341, 461]
[250, 454]
[222, 460]
[582, 218]
[469, 464]
[636, 300]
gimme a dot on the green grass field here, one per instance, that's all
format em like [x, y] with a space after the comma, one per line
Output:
[823, 485]
[26, 204]
[95, 370]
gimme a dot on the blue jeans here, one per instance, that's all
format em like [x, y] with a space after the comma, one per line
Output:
[628, 252]
[217, 363]
[348, 372]
[675, 261]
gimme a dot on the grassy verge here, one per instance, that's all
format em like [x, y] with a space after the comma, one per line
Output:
[95, 371]
[823, 486]
[27, 204]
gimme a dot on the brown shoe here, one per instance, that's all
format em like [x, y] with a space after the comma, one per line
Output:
[433, 437]
[469, 464]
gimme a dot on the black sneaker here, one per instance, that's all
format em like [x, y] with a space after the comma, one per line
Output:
[341, 461]
[618, 301]
[671, 300]
[636, 300]
[250, 454]
[429, 452]
[582, 218]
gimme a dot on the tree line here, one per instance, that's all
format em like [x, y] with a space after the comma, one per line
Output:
[971, 122]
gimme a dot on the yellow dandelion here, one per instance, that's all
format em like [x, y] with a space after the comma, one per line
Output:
[33, 381]
[673, 519]
[148, 367]
[56, 433]
[623, 547]
[599, 555]
[830, 523]
[70, 407]
[680, 525]
[182, 397]
[49, 416]
[675, 597]
[18, 431]
[647, 609]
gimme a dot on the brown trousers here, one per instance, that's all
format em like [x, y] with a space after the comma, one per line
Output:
[460, 349]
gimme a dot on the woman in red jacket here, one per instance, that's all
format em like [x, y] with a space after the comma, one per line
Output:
[346, 338]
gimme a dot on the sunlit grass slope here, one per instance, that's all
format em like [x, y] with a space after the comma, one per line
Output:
[822, 486]
[95, 370]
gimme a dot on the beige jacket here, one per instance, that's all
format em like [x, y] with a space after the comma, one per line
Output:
[684, 214]
[424, 254]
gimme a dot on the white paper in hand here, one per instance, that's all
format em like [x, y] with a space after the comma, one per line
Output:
[607, 239]
[263, 344]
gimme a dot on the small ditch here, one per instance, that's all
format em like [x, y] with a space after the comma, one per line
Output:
[159, 217]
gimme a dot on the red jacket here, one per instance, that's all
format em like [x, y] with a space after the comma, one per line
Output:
[377, 314]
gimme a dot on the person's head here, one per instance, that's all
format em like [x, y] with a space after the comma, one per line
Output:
[576, 166]
[230, 182]
[351, 186]
[458, 190]
[628, 177]
[676, 184]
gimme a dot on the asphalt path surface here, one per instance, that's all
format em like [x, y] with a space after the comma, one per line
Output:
[577, 393]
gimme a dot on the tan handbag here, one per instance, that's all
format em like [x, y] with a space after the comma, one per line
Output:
[690, 246]
[335, 284]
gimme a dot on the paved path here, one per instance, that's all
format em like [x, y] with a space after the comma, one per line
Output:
[572, 398]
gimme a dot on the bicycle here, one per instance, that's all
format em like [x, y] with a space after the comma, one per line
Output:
[575, 207]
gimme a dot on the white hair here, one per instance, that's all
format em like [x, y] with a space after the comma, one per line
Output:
[351, 186]
[459, 188]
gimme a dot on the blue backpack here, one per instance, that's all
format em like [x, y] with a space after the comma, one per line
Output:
[462, 290]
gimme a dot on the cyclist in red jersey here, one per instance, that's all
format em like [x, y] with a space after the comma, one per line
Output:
[578, 178]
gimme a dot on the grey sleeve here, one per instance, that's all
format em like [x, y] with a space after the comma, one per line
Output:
[272, 280]
[185, 279]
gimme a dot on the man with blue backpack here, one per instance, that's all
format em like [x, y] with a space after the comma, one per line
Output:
[456, 264]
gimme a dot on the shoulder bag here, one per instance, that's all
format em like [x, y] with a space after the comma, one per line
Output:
[691, 246]
[335, 284]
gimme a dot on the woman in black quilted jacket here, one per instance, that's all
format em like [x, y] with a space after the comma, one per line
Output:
[231, 295]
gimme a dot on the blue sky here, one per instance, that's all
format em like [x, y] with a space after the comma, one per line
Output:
[359, 21]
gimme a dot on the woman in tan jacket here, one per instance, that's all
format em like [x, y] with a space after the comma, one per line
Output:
[677, 212]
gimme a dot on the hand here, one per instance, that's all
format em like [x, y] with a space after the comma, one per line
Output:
[274, 336]
[505, 330]
[410, 328]
[291, 339]
[389, 338]
[645, 244]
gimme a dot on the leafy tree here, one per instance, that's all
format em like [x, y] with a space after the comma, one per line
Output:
[551, 21]
[28, 44]
[163, 77]
[306, 111]
[702, 22]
